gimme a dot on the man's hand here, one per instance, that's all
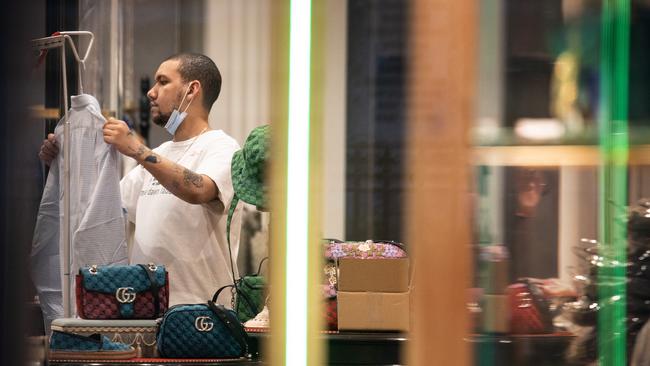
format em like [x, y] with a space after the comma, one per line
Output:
[49, 149]
[118, 134]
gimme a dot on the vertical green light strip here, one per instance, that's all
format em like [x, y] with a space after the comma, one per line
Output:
[298, 182]
[615, 27]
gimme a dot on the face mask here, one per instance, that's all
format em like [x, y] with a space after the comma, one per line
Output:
[177, 117]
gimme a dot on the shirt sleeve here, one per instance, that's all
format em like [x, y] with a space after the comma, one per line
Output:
[216, 165]
[130, 187]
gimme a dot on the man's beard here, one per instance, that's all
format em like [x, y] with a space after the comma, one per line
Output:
[161, 119]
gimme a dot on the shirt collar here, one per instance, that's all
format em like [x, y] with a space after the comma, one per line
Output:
[82, 100]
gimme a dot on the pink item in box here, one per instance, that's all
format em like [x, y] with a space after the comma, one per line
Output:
[364, 249]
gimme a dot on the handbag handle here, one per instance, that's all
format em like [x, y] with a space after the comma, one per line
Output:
[247, 300]
[154, 288]
[259, 268]
[233, 325]
[216, 294]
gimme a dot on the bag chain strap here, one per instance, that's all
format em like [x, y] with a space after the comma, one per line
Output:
[154, 287]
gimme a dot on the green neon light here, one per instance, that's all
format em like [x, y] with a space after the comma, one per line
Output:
[298, 182]
[613, 180]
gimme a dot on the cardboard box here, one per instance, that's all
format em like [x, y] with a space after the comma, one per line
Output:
[373, 275]
[373, 311]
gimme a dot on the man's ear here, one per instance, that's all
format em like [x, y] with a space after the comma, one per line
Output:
[195, 87]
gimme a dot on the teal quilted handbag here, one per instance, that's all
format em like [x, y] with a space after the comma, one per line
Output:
[201, 331]
[122, 292]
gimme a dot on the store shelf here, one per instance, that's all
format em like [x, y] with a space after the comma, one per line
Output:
[40, 112]
[556, 155]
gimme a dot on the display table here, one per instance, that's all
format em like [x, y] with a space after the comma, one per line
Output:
[375, 348]
[343, 348]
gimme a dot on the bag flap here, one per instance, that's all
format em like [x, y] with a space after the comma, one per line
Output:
[253, 282]
[108, 279]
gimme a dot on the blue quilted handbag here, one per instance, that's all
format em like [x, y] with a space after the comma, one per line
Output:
[122, 292]
[201, 331]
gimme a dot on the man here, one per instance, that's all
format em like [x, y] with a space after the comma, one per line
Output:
[179, 195]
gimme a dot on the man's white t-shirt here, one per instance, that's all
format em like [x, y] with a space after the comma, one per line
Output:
[189, 239]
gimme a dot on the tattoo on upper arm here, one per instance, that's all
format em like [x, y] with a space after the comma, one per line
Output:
[189, 177]
[153, 158]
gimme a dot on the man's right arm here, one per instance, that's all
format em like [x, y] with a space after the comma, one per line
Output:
[49, 149]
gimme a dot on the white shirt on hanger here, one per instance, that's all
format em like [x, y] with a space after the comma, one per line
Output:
[96, 216]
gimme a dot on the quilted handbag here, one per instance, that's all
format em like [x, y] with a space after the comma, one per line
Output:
[529, 310]
[329, 293]
[331, 314]
[122, 292]
[251, 294]
[201, 331]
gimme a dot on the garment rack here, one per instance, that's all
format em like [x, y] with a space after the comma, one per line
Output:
[59, 40]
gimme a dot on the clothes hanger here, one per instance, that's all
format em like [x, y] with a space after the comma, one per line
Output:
[81, 61]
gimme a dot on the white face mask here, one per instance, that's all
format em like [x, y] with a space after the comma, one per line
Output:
[177, 117]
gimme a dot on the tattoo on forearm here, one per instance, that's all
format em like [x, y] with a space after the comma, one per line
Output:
[139, 151]
[152, 159]
[189, 177]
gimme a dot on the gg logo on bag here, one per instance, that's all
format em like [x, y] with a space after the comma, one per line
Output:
[125, 295]
[203, 324]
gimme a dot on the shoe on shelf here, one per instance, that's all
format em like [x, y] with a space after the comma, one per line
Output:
[260, 320]
[70, 346]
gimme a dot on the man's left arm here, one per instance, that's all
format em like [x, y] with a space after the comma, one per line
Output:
[180, 181]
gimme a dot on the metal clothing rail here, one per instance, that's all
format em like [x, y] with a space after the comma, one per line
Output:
[58, 40]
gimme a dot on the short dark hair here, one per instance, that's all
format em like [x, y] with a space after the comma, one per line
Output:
[195, 66]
